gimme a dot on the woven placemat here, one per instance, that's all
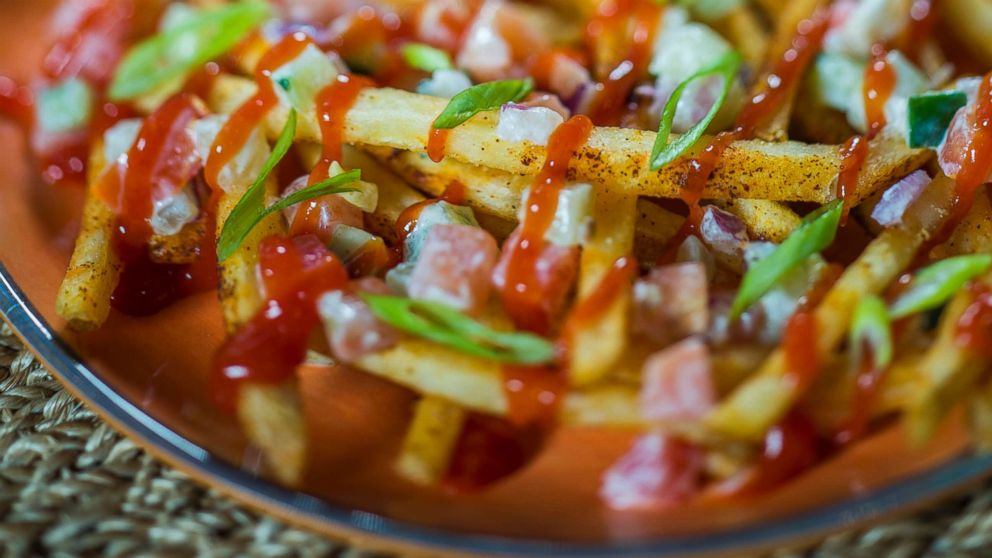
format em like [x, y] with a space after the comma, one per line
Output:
[71, 486]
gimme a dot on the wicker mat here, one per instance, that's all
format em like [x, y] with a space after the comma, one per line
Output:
[71, 486]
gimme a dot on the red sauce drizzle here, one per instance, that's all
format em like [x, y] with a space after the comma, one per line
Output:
[488, 449]
[701, 167]
[234, 134]
[16, 102]
[853, 154]
[267, 349]
[522, 295]
[789, 448]
[974, 327]
[407, 221]
[614, 16]
[785, 73]
[799, 344]
[609, 288]
[922, 20]
[144, 287]
[333, 104]
[533, 393]
[866, 385]
[437, 142]
[975, 168]
[880, 81]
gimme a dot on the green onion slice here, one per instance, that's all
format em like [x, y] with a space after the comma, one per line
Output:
[170, 54]
[871, 325]
[936, 283]
[479, 98]
[446, 326]
[816, 232]
[426, 58]
[250, 209]
[664, 152]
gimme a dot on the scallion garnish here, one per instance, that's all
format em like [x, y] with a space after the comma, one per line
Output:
[446, 326]
[816, 232]
[483, 97]
[250, 209]
[871, 325]
[194, 42]
[426, 58]
[664, 152]
[937, 283]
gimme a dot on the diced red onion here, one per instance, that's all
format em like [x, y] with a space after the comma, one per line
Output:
[526, 123]
[892, 206]
[678, 383]
[670, 303]
[352, 330]
[726, 235]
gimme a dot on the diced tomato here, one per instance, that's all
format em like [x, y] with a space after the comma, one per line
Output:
[671, 302]
[954, 150]
[320, 216]
[353, 331]
[657, 471]
[90, 39]
[556, 270]
[678, 383]
[455, 266]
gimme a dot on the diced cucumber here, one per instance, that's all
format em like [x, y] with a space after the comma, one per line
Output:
[300, 80]
[440, 213]
[834, 78]
[64, 106]
[572, 216]
[930, 115]
[398, 278]
[348, 241]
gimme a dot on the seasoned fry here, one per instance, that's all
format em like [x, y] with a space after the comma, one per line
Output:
[742, 26]
[786, 171]
[180, 248]
[764, 219]
[84, 295]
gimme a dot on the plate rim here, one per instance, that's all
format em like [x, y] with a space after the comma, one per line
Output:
[383, 533]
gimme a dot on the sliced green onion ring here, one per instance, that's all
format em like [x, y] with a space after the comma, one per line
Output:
[871, 325]
[664, 152]
[816, 232]
[480, 98]
[936, 283]
[426, 58]
[446, 326]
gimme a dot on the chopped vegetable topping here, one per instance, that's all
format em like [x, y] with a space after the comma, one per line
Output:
[938, 282]
[481, 98]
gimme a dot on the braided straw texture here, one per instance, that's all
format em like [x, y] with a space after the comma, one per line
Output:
[71, 486]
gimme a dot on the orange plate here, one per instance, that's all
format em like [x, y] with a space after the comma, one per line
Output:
[147, 378]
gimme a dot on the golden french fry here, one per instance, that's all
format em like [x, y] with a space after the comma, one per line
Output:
[971, 21]
[745, 31]
[786, 171]
[430, 440]
[84, 296]
[596, 346]
[767, 220]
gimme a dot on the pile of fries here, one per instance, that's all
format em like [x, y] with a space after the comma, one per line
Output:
[750, 230]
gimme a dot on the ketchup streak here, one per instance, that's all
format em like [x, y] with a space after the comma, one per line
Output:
[233, 136]
[267, 349]
[145, 287]
[333, 103]
[973, 330]
[614, 17]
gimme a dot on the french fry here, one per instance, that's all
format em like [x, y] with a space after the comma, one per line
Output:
[430, 440]
[980, 417]
[596, 346]
[973, 235]
[764, 219]
[84, 296]
[180, 248]
[745, 31]
[786, 171]
[776, 127]
[764, 398]
[949, 372]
